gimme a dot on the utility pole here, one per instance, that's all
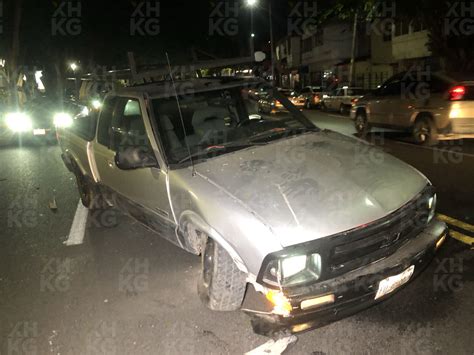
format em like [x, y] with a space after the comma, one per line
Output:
[354, 38]
[252, 35]
[272, 44]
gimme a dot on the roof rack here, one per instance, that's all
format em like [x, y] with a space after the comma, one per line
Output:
[186, 71]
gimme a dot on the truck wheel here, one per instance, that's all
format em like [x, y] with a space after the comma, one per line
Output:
[424, 131]
[342, 109]
[90, 197]
[361, 124]
[221, 285]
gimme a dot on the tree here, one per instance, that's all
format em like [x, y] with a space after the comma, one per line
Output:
[14, 54]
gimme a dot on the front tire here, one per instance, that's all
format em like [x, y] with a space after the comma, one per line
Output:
[90, 195]
[361, 124]
[342, 109]
[424, 131]
[221, 285]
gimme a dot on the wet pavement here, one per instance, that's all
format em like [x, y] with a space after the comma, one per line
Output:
[126, 291]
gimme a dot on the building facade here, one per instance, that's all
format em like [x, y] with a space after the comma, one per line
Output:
[323, 58]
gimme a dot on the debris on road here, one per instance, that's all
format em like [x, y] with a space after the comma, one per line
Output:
[273, 347]
[53, 206]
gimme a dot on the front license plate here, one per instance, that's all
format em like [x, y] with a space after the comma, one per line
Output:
[393, 282]
[39, 132]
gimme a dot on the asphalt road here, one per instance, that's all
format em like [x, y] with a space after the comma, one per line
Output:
[126, 291]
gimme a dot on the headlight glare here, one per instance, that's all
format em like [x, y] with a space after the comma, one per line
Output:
[19, 122]
[63, 120]
[96, 104]
[293, 265]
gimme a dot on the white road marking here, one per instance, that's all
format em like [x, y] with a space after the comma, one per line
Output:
[78, 228]
[273, 347]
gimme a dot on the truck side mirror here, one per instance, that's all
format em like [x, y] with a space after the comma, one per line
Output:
[135, 158]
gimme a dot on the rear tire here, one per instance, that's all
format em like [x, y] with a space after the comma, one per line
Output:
[424, 131]
[361, 124]
[342, 109]
[221, 285]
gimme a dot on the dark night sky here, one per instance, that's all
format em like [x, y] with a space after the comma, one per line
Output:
[104, 34]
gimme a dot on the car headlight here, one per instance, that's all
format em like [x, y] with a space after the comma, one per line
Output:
[85, 111]
[63, 120]
[96, 104]
[293, 270]
[431, 207]
[19, 122]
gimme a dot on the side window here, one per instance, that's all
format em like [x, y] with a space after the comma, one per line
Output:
[439, 85]
[85, 127]
[128, 127]
[392, 86]
[105, 121]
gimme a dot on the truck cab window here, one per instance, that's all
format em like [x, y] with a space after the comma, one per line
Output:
[105, 120]
[128, 127]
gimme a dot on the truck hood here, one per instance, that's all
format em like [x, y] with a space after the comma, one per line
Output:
[315, 184]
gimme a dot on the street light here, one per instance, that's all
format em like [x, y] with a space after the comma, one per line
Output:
[252, 4]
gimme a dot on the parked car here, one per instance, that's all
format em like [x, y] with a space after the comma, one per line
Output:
[312, 96]
[268, 103]
[432, 106]
[342, 99]
[293, 224]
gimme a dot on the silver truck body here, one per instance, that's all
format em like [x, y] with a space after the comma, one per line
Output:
[256, 201]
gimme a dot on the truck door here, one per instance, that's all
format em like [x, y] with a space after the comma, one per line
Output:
[140, 192]
[382, 104]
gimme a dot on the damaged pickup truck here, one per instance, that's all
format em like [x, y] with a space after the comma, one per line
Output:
[295, 225]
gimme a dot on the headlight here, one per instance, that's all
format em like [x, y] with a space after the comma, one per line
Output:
[62, 119]
[431, 207]
[85, 111]
[293, 270]
[96, 104]
[19, 122]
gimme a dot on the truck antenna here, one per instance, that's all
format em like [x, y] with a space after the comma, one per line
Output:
[181, 116]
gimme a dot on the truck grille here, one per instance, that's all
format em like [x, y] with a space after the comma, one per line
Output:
[380, 239]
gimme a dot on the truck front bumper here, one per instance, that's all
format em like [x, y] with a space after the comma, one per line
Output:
[353, 291]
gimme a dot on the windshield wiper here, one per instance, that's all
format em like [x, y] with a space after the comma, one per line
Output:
[282, 131]
[217, 148]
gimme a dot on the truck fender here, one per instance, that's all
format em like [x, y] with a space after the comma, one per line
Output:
[190, 217]
[75, 162]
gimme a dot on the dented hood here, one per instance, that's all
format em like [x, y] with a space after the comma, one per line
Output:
[314, 185]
